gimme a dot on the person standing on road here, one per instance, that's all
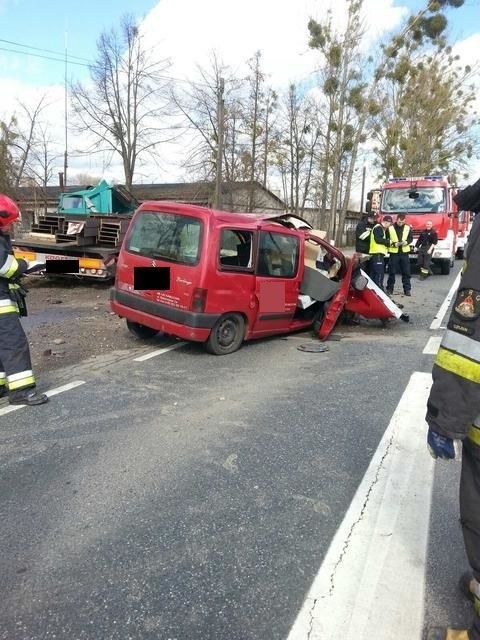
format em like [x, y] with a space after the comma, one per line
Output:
[363, 232]
[379, 243]
[425, 245]
[401, 237]
[453, 411]
[16, 375]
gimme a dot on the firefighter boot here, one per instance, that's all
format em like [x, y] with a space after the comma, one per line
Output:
[448, 634]
[471, 590]
[29, 397]
[424, 273]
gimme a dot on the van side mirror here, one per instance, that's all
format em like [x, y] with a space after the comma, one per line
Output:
[368, 206]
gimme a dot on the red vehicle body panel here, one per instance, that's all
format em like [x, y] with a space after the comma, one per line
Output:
[269, 305]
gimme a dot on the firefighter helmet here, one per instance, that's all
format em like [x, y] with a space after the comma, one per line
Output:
[9, 212]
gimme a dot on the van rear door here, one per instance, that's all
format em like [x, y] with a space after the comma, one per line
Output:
[161, 257]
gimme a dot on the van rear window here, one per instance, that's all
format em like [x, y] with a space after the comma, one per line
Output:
[167, 236]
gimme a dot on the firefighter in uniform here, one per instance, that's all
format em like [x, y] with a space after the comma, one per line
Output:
[453, 409]
[401, 237]
[379, 243]
[363, 232]
[16, 376]
[425, 246]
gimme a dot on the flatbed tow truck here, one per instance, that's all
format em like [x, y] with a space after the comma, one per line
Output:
[83, 237]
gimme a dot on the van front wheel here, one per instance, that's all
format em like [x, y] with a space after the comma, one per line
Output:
[141, 331]
[227, 335]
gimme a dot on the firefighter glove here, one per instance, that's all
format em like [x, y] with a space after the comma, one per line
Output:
[440, 446]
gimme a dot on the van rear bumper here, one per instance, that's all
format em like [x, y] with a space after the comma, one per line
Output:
[177, 322]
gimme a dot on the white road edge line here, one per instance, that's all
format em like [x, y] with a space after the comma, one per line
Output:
[50, 393]
[432, 346]
[371, 583]
[154, 354]
[437, 321]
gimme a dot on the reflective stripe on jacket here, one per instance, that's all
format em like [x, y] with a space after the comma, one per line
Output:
[10, 268]
[8, 306]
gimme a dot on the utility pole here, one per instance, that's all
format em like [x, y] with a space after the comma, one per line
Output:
[220, 134]
[364, 174]
[65, 157]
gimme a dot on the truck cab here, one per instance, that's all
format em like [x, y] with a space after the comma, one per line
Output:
[421, 199]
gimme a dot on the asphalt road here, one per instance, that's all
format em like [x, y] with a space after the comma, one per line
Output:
[192, 497]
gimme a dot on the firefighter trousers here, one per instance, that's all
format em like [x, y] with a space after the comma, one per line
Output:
[377, 269]
[15, 362]
[424, 260]
[470, 513]
[399, 263]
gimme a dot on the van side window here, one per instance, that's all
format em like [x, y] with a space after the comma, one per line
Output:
[277, 255]
[236, 250]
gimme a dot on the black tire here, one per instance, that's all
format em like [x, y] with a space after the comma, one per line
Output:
[227, 335]
[445, 267]
[141, 331]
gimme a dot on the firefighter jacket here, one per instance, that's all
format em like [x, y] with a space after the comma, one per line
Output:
[10, 270]
[362, 236]
[378, 240]
[426, 239]
[454, 400]
[400, 233]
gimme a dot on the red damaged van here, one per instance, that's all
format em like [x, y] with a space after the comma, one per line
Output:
[219, 278]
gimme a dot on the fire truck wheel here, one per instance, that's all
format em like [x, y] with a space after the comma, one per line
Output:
[141, 331]
[445, 267]
[227, 335]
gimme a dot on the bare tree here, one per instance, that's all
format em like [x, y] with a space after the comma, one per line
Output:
[342, 84]
[123, 108]
[427, 96]
[296, 148]
[8, 136]
[23, 144]
[197, 102]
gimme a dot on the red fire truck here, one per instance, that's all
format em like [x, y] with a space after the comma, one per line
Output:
[421, 199]
[465, 221]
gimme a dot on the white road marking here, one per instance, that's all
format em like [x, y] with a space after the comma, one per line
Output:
[432, 345]
[154, 354]
[52, 392]
[372, 580]
[437, 321]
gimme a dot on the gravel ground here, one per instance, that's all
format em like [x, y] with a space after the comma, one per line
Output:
[69, 321]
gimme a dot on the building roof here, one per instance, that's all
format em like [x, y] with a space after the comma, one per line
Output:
[192, 192]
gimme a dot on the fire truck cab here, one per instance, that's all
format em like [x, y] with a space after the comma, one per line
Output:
[421, 199]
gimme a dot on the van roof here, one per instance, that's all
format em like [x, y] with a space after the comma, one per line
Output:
[229, 217]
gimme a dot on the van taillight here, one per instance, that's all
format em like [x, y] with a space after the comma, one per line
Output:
[199, 300]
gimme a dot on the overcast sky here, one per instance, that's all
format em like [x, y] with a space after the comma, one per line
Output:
[186, 32]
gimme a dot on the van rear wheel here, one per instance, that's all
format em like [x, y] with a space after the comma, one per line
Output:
[227, 335]
[141, 331]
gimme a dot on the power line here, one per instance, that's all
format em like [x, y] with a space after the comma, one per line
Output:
[37, 55]
[27, 46]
